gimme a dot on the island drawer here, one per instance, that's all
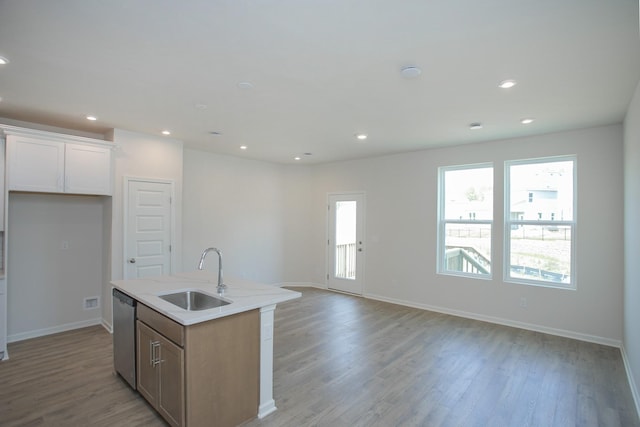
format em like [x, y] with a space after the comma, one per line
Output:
[167, 327]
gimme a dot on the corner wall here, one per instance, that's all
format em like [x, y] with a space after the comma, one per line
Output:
[238, 206]
[401, 231]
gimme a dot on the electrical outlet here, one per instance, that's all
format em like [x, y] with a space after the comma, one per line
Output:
[523, 302]
[64, 245]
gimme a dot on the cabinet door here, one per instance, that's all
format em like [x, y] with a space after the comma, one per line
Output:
[160, 365]
[147, 374]
[87, 169]
[35, 165]
[171, 382]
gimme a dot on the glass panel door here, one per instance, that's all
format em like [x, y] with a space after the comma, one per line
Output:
[346, 242]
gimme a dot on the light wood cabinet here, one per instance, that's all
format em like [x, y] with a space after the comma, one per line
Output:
[54, 166]
[206, 374]
[161, 374]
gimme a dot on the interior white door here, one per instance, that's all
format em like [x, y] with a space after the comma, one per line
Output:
[346, 242]
[148, 229]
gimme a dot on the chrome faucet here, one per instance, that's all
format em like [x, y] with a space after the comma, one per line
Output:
[221, 286]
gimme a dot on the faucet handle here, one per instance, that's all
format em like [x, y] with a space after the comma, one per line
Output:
[221, 288]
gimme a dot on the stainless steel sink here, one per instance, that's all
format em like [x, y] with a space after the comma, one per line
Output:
[194, 300]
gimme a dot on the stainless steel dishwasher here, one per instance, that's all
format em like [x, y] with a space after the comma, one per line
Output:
[124, 336]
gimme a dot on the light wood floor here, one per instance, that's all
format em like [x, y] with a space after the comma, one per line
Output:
[346, 361]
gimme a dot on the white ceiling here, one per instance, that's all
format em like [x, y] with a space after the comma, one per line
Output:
[321, 70]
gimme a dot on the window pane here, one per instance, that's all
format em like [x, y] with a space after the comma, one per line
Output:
[541, 191]
[468, 248]
[541, 253]
[468, 194]
[345, 239]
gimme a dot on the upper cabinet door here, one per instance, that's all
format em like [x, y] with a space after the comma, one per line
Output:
[87, 169]
[53, 166]
[35, 165]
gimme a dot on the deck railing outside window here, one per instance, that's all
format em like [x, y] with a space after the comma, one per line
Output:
[346, 261]
[466, 260]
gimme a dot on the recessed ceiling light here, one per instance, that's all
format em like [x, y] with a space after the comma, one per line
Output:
[243, 147]
[92, 118]
[410, 72]
[201, 106]
[166, 132]
[526, 121]
[213, 132]
[474, 126]
[507, 84]
[308, 154]
[296, 158]
[3, 60]
[245, 85]
[361, 136]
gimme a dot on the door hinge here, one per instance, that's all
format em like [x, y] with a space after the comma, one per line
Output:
[169, 248]
[328, 207]
[328, 242]
[327, 276]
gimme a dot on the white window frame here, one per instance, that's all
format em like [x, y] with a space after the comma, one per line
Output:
[442, 223]
[508, 223]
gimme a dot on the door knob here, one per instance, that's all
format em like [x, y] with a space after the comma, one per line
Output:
[132, 260]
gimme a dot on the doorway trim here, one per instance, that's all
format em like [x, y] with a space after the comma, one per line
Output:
[125, 222]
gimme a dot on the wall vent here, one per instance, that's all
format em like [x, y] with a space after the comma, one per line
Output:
[91, 303]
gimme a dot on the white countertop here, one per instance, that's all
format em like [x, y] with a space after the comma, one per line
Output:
[244, 295]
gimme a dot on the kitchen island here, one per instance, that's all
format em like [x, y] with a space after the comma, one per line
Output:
[225, 336]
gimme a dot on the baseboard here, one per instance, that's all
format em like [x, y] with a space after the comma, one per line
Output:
[107, 326]
[301, 285]
[630, 378]
[266, 409]
[53, 330]
[501, 321]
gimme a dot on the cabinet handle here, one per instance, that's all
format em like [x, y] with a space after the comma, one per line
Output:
[153, 345]
[158, 359]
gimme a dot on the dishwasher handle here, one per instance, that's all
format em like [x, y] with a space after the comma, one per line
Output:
[123, 298]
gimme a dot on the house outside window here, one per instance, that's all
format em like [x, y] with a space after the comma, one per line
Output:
[465, 220]
[540, 221]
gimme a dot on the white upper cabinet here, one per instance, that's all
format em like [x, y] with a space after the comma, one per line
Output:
[87, 169]
[51, 165]
[35, 165]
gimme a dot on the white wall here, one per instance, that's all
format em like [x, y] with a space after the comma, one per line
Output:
[401, 199]
[270, 222]
[141, 156]
[237, 206]
[632, 242]
[47, 284]
[299, 266]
